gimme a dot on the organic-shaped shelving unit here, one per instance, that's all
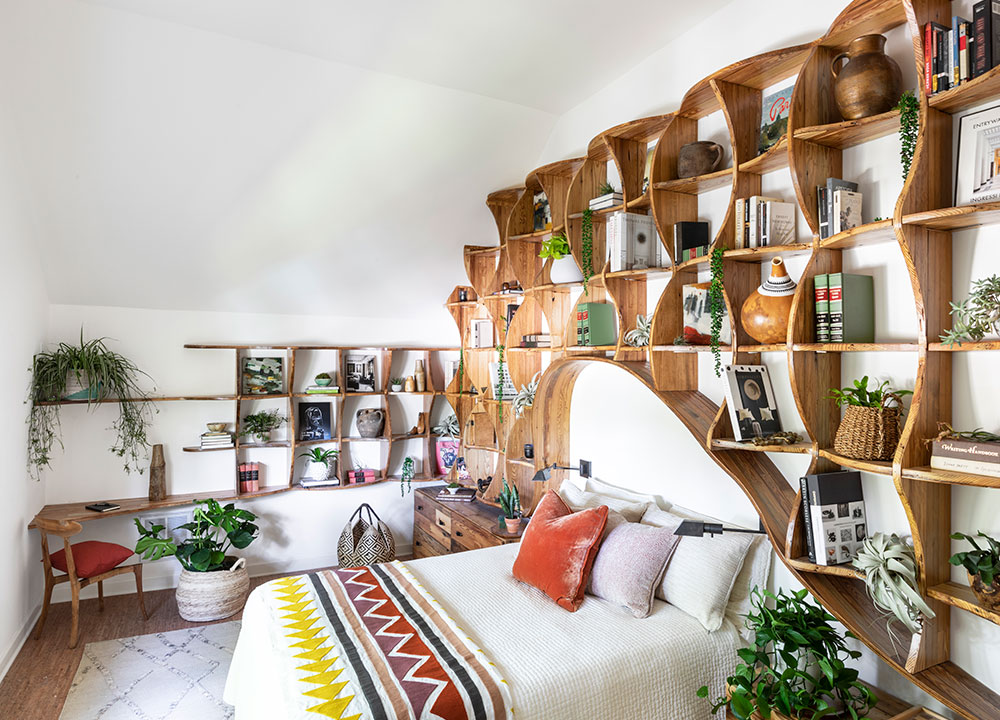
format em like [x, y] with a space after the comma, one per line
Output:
[812, 151]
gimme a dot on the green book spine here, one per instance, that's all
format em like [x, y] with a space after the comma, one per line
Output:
[821, 287]
[836, 288]
[598, 324]
[858, 299]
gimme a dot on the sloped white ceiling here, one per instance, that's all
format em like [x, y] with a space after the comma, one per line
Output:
[223, 156]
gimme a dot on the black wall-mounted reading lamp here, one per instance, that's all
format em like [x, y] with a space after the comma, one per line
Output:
[693, 528]
[545, 473]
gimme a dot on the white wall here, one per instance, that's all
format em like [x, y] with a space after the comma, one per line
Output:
[634, 441]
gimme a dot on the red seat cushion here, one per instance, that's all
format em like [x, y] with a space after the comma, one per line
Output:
[92, 557]
[558, 549]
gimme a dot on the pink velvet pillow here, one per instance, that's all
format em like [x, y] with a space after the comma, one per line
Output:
[558, 549]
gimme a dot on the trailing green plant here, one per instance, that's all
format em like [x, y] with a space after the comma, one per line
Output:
[510, 501]
[639, 335]
[406, 476]
[978, 315]
[213, 532]
[796, 665]
[448, 427]
[909, 128]
[984, 562]
[890, 568]
[259, 424]
[320, 455]
[499, 385]
[461, 369]
[525, 398]
[717, 304]
[605, 188]
[109, 376]
[556, 246]
[587, 241]
[860, 395]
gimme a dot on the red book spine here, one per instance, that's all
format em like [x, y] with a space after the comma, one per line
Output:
[927, 57]
[243, 477]
[254, 477]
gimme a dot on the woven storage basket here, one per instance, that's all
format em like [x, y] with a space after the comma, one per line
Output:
[206, 596]
[365, 541]
[868, 433]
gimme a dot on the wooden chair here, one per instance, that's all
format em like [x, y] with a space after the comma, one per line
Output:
[94, 562]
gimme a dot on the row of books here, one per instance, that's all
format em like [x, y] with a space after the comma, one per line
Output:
[838, 206]
[214, 440]
[632, 242]
[595, 324]
[833, 506]
[845, 308]
[536, 340]
[954, 55]
[764, 222]
[249, 477]
[690, 240]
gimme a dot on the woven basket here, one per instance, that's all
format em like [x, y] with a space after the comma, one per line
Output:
[365, 541]
[868, 433]
[206, 596]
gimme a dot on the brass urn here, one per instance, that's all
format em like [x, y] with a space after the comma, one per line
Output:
[870, 83]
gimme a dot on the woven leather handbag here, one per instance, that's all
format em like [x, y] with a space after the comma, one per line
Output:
[365, 541]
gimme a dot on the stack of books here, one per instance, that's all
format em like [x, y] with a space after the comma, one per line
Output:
[764, 222]
[323, 390]
[214, 440]
[845, 308]
[833, 506]
[308, 483]
[838, 207]
[954, 55]
[595, 324]
[605, 201]
[966, 456]
[538, 340]
[632, 242]
[461, 495]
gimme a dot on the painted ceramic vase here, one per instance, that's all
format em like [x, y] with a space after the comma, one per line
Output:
[765, 312]
[870, 83]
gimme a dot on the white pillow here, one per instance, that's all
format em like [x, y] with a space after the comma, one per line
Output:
[602, 488]
[579, 499]
[702, 572]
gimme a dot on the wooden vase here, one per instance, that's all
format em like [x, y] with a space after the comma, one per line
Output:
[987, 595]
[420, 376]
[870, 83]
[410, 384]
[765, 312]
[157, 475]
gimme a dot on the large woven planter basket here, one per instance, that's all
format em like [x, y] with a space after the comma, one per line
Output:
[206, 596]
[365, 541]
[868, 433]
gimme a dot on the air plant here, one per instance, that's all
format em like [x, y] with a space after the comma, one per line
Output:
[890, 568]
[525, 398]
[448, 427]
[639, 335]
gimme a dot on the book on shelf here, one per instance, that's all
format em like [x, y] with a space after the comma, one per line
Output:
[595, 325]
[852, 308]
[690, 240]
[323, 390]
[500, 380]
[824, 196]
[966, 49]
[778, 223]
[833, 507]
[461, 495]
[632, 242]
[537, 340]
[966, 456]
[249, 477]
[774, 118]
[481, 330]
[755, 210]
[985, 26]
[697, 316]
[846, 210]
[821, 291]
[753, 410]
[308, 483]
[605, 201]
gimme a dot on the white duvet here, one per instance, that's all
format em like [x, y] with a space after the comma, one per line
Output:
[599, 662]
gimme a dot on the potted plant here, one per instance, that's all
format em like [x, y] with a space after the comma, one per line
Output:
[525, 397]
[213, 584]
[320, 462]
[406, 476]
[564, 268]
[446, 443]
[639, 335]
[260, 424]
[978, 315]
[796, 664]
[397, 384]
[870, 428]
[92, 372]
[983, 568]
[510, 504]
[453, 487]
[323, 379]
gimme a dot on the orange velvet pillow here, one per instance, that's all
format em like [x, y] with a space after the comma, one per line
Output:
[558, 549]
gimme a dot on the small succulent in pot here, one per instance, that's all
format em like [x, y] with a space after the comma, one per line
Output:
[397, 384]
[510, 504]
[323, 379]
[639, 335]
[260, 424]
[453, 487]
[983, 568]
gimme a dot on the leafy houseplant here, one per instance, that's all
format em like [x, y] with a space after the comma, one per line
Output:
[397, 383]
[983, 567]
[978, 315]
[89, 371]
[870, 428]
[563, 268]
[260, 424]
[319, 462]
[859, 395]
[796, 664]
[510, 505]
[890, 569]
[406, 477]
[525, 398]
[717, 304]
[213, 584]
[605, 188]
[555, 247]
[639, 335]
[909, 128]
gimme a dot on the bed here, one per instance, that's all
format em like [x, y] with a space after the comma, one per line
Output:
[507, 648]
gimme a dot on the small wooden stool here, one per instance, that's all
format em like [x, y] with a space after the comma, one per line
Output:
[94, 561]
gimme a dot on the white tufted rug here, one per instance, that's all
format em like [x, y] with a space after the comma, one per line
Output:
[178, 675]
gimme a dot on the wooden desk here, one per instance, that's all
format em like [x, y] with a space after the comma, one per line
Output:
[129, 506]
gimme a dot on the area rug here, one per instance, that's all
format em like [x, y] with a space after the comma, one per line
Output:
[178, 675]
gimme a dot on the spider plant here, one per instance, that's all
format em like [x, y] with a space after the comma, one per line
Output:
[639, 335]
[890, 569]
[320, 455]
[525, 398]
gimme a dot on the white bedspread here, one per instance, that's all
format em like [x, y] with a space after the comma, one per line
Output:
[599, 662]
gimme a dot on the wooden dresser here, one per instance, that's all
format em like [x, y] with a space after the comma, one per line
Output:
[440, 528]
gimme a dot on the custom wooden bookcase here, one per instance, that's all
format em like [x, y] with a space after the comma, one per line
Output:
[920, 226]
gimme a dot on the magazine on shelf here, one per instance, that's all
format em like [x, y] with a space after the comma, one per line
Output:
[753, 409]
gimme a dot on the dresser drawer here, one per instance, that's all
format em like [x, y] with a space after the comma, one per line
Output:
[424, 506]
[465, 536]
[425, 546]
[438, 530]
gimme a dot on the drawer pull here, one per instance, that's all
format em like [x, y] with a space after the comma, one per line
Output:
[458, 533]
[420, 507]
[417, 543]
[441, 523]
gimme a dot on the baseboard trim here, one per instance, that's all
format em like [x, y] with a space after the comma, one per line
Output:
[22, 637]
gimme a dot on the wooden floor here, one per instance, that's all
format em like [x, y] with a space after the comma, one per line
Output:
[40, 677]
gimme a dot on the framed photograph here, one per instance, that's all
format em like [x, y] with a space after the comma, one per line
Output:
[698, 316]
[542, 213]
[262, 376]
[359, 373]
[752, 407]
[314, 421]
[978, 163]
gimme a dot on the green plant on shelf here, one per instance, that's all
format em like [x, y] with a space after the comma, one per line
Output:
[555, 246]
[984, 562]
[587, 239]
[909, 128]
[406, 476]
[320, 455]
[448, 427]
[461, 369]
[639, 335]
[978, 315]
[260, 424]
[510, 501]
[796, 665]
[93, 373]
[605, 188]
[213, 531]
[717, 304]
[861, 396]
[396, 382]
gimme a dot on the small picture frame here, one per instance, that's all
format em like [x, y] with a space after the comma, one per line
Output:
[314, 421]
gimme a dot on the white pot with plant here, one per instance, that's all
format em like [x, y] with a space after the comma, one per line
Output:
[213, 584]
[397, 384]
[320, 463]
[259, 425]
[564, 268]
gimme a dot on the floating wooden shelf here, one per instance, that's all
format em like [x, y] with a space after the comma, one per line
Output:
[351, 439]
[983, 345]
[855, 347]
[603, 212]
[956, 218]
[961, 596]
[779, 347]
[867, 234]
[776, 158]
[969, 94]
[343, 485]
[308, 443]
[318, 396]
[846, 571]
[849, 133]
[276, 444]
[879, 467]
[802, 448]
[949, 477]
[699, 184]
[690, 348]
[196, 448]
[486, 250]
[639, 274]
[154, 399]
[761, 254]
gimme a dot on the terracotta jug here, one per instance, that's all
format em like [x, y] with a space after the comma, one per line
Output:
[698, 158]
[765, 312]
[871, 81]
[370, 422]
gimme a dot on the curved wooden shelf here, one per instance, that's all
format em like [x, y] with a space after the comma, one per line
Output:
[961, 596]
[845, 571]
[208, 449]
[699, 184]
[969, 94]
[867, 234]
[982, 346]
[879, 467]
[855, 347]
[948, 477]
[801, 448]
[774, 159]
[956, 218]
[849, 133]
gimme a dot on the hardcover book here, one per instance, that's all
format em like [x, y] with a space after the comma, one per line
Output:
[978, 159]
[821, 289]
[832, 185]
[852, 308]
[595, 324]
[774, 118]
[846, 210]
[779, 223]
[632, 242]
[753, 410]
[966, 456]
[698, 316]
[833, 505]
[690, 236]
[262, 376]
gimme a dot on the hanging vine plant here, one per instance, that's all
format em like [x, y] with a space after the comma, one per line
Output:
[909, 127]
[461, 369]
[587, 236]
[499, 385]
[716, 305]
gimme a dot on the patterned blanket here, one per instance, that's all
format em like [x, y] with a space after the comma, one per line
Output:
[372, 644]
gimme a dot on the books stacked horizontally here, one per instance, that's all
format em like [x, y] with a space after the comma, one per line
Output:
[460, 495]
[308, 483]
[954, 55]
[633, 243]
[974, 457]
[611, 199]
[845, 308]
[323, 390]
[216, 440]
[838, 206]
[764, 222]
[833, 505]
[537, 340]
